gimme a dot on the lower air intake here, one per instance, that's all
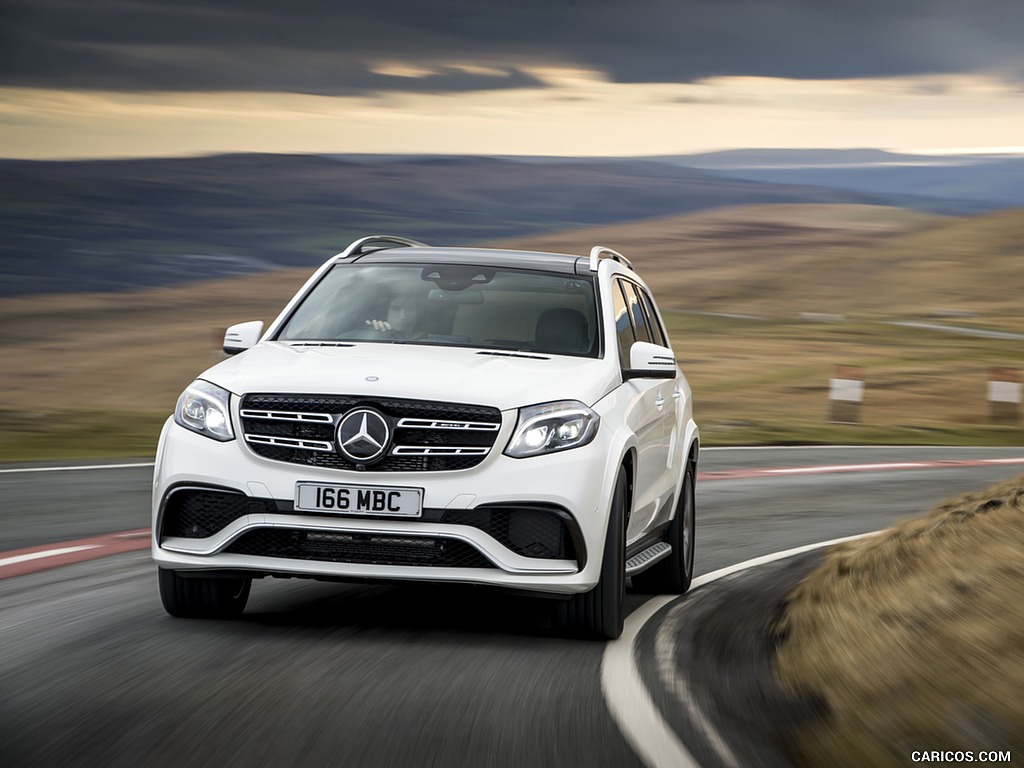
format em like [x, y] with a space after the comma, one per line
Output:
[360, 548]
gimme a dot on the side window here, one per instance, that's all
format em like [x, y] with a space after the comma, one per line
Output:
[657, 332]
[623, 326]
[636, 311]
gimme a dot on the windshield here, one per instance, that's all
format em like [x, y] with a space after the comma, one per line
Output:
[451, 305]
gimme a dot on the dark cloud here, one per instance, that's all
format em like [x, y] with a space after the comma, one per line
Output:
[337, 46]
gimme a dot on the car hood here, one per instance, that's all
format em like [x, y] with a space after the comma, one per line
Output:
[449, 374]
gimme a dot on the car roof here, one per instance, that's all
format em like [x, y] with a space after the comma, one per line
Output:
[495, 257]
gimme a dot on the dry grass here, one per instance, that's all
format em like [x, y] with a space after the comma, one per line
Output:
[781, 260]
[915, 637]
[769, 381]
[135, 350]
[122, 359]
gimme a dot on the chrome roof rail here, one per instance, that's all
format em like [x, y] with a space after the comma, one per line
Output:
[599, 251]
[366, 244]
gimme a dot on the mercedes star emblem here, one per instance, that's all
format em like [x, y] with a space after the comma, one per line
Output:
[363, 435]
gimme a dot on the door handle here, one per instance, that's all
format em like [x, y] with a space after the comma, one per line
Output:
[676, 394]
[659, 402]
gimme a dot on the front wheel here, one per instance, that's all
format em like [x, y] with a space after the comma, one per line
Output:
[674, 574]
[599, 613]
[202, 598]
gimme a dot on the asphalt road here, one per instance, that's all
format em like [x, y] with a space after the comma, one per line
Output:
[92, 672]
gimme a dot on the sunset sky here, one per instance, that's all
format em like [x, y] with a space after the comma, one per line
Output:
[556, 77]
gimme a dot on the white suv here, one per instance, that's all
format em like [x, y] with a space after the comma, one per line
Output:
[508, 418]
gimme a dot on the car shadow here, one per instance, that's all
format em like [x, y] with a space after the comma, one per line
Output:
[397, 608]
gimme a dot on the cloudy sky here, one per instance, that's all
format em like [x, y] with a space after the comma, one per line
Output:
[98, 78]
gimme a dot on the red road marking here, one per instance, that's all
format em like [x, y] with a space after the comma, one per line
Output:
[33, 559]
[825, 469]
[81, 550]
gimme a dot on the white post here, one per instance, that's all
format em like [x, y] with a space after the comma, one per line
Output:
[845, 394]
[1004, 395]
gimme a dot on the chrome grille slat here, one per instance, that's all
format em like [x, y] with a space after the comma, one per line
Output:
[454, 425]
[324, 418]
[291, 442]
[447, 450]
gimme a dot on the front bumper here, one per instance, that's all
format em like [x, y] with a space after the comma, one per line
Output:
[578, 481]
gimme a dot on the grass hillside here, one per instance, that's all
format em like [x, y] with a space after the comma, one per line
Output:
[912, 638]
[95, 374]
[112, 225]
[778, 261]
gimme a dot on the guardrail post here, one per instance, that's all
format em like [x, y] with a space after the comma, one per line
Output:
[845, 394]
[1004, 395]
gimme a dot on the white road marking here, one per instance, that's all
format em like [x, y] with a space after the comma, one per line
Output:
[629, 702]
[626, 696]
[664, 653]
[47, 553]
[70, 469]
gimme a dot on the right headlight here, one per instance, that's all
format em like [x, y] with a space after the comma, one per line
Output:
[203, 408]
[551, 427]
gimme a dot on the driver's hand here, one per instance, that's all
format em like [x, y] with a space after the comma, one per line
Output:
[379, 325]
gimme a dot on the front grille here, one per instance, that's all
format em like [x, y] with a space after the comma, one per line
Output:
[527, 531]
[361, 548]
[195, 514]
[428, 436]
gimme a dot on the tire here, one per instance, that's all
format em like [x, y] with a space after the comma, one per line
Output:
[599, 613]
[200, 598]
[674, 574]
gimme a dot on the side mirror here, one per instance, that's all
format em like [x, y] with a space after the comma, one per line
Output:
[650, 361]
[243, 336]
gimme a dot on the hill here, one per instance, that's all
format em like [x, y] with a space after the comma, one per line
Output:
[119, 224]
[95, 374]
[779, 261]
[992, 181]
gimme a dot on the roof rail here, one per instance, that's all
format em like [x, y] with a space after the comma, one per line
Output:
[599, 251]
[365, 244]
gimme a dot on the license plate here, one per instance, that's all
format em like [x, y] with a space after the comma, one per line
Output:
[359, 499]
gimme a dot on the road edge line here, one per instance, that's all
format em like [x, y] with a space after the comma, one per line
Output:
[626, 697]
[73, 468]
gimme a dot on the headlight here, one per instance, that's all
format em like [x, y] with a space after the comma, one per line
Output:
[203, 408]
[551, 427]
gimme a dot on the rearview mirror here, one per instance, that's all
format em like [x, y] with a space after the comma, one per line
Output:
[243, 336]
[650, 361]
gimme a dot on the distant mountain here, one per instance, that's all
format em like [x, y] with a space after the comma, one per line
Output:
[109, 225]
[994, 181]
[784, 158]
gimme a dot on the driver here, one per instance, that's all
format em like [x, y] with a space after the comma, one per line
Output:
[401, 319]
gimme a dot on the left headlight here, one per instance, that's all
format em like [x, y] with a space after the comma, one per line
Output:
[203, 408]
[551, 427]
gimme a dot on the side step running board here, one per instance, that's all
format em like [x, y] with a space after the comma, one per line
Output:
[640, 562]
